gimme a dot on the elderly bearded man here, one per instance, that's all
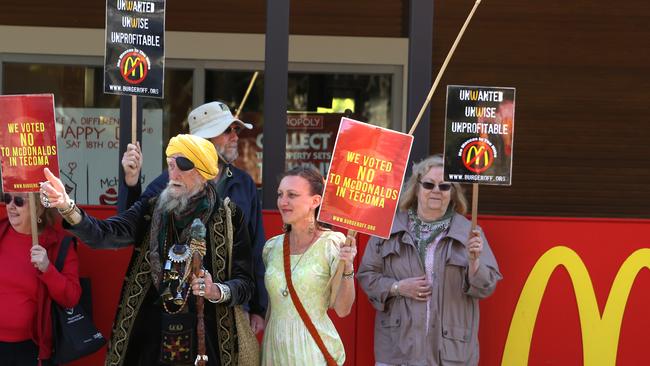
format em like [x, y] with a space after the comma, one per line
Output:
[214, 122]
[155, 305]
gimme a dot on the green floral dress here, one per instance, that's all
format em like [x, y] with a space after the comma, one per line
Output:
[286, 339]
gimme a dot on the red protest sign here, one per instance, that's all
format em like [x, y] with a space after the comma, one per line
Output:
[27, 141]
[365, 178]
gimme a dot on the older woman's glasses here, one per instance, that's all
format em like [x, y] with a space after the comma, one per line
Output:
[18, 201]
[429, 186]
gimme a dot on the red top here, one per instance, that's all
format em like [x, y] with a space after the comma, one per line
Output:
[18, 287]
[39, 288]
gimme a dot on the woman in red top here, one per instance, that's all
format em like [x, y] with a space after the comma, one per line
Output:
[29, 282]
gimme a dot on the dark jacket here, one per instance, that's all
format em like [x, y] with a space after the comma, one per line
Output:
[133, 225]
[138, 296]
[402, 334]
[241, 189]
[62, 287]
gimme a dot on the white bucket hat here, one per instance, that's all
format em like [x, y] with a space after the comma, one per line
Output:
[211, 119]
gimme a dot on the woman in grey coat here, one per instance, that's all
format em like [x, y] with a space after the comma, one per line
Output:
[425, 280]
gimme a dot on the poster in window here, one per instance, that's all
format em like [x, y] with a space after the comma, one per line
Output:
[89, 151]
[309, 142]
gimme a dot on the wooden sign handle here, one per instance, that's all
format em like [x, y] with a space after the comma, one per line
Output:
[474, 205]
[248, 90]
[444, 66]
[34, 218]
[134, 119]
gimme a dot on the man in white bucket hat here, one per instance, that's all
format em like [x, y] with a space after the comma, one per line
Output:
[214, 122]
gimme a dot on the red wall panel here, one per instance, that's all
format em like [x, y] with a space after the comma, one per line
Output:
[518, 243]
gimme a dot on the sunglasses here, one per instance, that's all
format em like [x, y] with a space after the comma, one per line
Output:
[236, 129]
[184, 164]
[18, 201]
[443, 187]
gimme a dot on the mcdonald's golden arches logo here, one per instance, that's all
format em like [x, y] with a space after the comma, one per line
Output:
[134, 66]
[600, 333]
[478, 156]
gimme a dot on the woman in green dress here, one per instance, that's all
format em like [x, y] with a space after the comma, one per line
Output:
[313, 253]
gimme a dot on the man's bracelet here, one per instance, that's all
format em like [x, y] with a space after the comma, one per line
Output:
[225, 294]
[67, 211]
[68, 214]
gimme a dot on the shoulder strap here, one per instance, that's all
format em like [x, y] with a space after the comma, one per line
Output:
[299, 307]
[63, 251]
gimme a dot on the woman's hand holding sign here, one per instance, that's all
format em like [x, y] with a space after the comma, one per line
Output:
[39, 259]
[474, 248]
[347, 254]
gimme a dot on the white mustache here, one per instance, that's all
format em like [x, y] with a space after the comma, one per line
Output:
[174, 183]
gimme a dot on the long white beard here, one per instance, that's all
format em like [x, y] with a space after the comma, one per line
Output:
[168, 203]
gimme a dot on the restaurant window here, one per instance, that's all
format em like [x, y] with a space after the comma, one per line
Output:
[316, 101]
[88, 119]
[87, 123]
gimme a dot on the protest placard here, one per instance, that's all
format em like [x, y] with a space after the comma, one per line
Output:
[479, 134]
[134, 61]
[365, 177]
[27, 141]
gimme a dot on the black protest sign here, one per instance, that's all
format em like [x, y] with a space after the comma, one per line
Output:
[479, 134]
[134, 62]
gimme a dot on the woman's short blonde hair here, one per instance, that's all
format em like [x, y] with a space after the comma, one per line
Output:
[409, 196]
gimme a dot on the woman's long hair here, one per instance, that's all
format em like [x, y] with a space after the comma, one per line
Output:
[409, 196]
[316, 186]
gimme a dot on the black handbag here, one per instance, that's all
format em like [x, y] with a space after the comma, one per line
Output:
[73, 331]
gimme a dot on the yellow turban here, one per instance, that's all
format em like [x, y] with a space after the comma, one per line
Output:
[200, 151]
